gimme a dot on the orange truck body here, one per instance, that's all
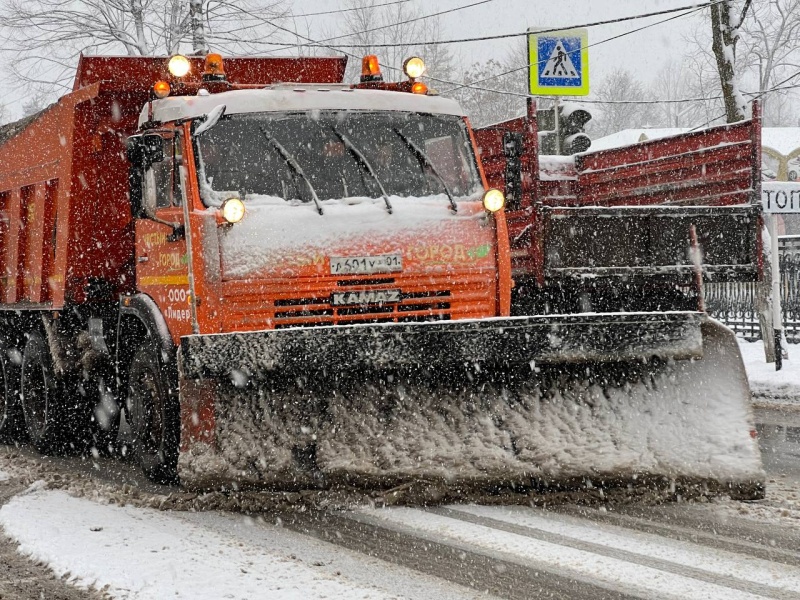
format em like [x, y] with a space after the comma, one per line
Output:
[73, 254]
[64, 177]
[160, 313]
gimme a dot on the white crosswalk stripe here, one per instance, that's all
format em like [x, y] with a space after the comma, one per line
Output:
[609, 556]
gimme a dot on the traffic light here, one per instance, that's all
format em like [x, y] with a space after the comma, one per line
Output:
[565, 136]
[570, 130]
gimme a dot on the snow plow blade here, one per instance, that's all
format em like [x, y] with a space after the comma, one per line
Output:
[510, 402]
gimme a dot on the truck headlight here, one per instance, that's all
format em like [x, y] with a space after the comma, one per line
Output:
[232, 210]
[414, 67]
[493, 200]
[179, 65]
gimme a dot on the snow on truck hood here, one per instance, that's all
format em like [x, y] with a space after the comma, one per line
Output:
[298, 98]
[276, 235]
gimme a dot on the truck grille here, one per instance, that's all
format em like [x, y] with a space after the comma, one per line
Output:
[418, 306]
[423, 299]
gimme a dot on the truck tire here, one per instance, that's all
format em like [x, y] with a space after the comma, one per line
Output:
[11, 420]
[153, 415]
[43, 413]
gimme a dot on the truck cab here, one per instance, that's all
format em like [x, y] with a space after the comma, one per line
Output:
[308, 205]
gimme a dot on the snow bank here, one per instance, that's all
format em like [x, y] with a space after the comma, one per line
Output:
[767, 384]
[144, 554]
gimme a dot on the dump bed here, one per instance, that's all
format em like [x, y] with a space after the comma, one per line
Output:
[66, 233]
[628, 211]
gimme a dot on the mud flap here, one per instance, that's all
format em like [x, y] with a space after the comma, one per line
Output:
[528, 401]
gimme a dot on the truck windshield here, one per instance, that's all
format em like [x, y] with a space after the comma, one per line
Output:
[247, 154]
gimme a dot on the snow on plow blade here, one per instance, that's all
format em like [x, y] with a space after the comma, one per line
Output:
[523, 401]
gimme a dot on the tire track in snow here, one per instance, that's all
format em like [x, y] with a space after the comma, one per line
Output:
[611, 558]
[701, 525]
[458, 563]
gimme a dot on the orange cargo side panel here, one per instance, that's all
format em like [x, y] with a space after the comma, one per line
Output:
[35, 175]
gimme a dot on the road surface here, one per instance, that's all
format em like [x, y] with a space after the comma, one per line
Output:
[717, 549]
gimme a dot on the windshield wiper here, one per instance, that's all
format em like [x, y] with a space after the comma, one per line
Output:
[423, 158]
[293, 164]
[365, 163]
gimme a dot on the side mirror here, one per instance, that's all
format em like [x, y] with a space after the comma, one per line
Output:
[144, 150]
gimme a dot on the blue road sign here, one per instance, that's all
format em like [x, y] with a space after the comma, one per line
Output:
[559, 62]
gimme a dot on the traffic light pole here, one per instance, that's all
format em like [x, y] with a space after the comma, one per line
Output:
[557, 102]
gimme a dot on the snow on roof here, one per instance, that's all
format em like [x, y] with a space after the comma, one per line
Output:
[298, 98]
[626, 137]
[783, 140]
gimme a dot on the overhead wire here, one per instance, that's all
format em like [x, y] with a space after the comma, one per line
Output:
[755, 97]
[688, 11]
[693, 7]
[638, 29]
[341, 10]
[322, 43]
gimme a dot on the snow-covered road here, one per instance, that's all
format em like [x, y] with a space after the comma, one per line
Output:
[74, 521]
[449, 552]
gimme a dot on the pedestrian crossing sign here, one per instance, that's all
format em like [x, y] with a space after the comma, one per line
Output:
[558, 62]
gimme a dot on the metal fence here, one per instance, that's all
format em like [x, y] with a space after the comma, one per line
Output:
[734, 303]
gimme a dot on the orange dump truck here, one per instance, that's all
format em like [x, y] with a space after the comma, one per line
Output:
[267, 277]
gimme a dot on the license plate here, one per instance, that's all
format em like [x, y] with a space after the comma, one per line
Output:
[366, 265]
[359, 297]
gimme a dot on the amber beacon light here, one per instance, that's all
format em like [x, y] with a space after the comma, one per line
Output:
[370, 69]
[214, 69]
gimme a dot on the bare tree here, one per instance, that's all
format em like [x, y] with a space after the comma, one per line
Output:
[770, 54]
[490, 94]
[725, 23]
[397, 24]
[46, 36]
[615, 90]
[675, 83]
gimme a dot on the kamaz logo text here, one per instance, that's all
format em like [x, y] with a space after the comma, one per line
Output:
[366, 297]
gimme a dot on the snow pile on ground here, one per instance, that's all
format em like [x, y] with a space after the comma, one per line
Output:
[767, 384]
[4, 476]
[144, 554]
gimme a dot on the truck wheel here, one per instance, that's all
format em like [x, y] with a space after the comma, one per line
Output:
[153, 416]
[40, 406]
[11, 421]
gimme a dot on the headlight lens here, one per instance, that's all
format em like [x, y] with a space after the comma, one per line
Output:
[414, 67]
[233, 210]
[179, 65]
[493, 200]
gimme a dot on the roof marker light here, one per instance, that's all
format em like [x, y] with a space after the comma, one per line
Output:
[179, 65]
[161, 89]
[419, 88]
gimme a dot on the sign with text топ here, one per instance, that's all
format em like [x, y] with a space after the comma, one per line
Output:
[558, 62]
[780, 197]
